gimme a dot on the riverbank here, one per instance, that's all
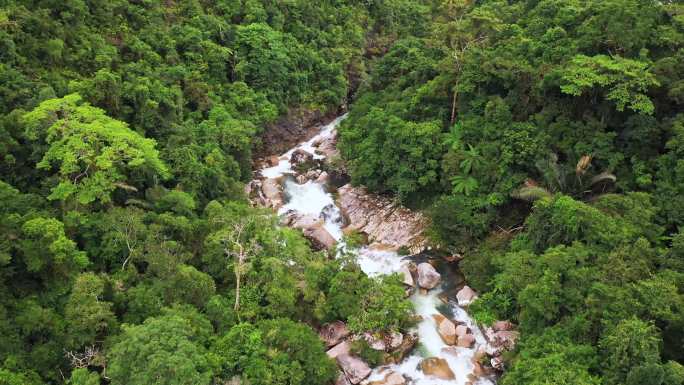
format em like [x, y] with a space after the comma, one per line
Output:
[451, 348]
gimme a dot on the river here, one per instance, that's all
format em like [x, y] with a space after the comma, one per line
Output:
[314, 199]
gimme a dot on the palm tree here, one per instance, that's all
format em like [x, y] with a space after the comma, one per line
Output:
[559, 178]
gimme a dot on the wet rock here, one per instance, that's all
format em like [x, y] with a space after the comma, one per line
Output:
[340, 349]
[354, 368]
[332, 214]
[446, 329]
[273, 192]
[428, 277]
[333, 333]
[467, 341]
[301, 179]
[466, 296]
[391, 378]
[327, 147]
[320, 237]
[407, 344]
[406, 274]
[313, 174]
[323, 178]
[273, 160]
[395, 339]
[374, 342]
[438, 367]
[300, 157]
[497, 363]
[385, 221]
[462, 330]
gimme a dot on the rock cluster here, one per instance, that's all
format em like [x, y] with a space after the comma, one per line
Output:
[312, 228]
[338, 340]
[383, 220]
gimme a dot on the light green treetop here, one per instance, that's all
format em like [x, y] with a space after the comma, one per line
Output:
[94, 153]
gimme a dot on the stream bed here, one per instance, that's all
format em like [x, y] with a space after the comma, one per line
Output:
[313, 198]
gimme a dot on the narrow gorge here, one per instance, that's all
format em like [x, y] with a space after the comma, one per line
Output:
[446, 346]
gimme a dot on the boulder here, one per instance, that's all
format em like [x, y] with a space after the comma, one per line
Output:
[497, 363]
[502, 340]
[428, 277]
[340, 349]
[323, 178]
[374, 342]
[462, 330]
[384, 220]
[503, 326]
[327, 146]
[273, 160]
[395, 339]
[407, 344]
[301, 179]
[300, 221]
[313, 174]
[354, 368]
[391, 378]
[300, 157]
[438, 367]
[273, 192]
[467, 341]
[446, 329]
[320, 237]
[333, 333]
[406, 274]
[466, 296]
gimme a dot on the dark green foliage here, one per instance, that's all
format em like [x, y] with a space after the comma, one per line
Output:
[163, 350]
[127, 131]
[277, 351]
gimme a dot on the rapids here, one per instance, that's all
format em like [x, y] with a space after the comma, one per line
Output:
[314, 199]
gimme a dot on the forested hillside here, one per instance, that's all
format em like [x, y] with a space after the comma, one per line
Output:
[128, 251]
[545, 138]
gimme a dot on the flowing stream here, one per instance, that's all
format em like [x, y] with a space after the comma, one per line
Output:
[313, 198]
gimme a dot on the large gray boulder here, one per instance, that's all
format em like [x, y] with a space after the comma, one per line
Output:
[385, 221]
[354, 368]
[428, 277]
[466, 296]
[343, 348]
[320, 237]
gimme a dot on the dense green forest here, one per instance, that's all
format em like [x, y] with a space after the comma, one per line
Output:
[126, 133]
[543, 138]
